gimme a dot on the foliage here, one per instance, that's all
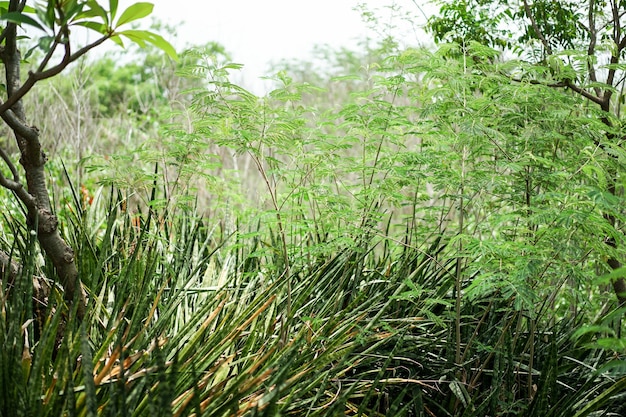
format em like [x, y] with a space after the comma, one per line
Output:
[409, 250]
[585, 58]
[514, 25]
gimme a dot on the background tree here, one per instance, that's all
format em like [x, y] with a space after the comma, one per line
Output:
[56, 19]
[579, 46]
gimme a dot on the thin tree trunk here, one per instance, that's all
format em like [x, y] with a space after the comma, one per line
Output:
[37, 199]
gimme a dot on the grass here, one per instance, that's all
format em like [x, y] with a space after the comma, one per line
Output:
[184, 321]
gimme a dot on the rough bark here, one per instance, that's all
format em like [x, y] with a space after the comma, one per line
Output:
[36, 198]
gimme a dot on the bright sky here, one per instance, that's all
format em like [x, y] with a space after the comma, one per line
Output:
[257, 32]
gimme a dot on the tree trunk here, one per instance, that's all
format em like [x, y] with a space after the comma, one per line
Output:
[36, 199]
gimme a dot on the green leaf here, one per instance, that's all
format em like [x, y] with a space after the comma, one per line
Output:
[612, 343]
[136, 36]
[117, 39]
[591, 329]
[603, 398]
[113, 8]
[140, 37]
[460, 392]
[48, 16]
[352, 77]
[20, 18]
[95, 10]
[73, 9]
[134, 12]
[233, 65]
[616, 66]
[4, 7]
[97, 26]
[163, 45]
[603, 86]
[45, 42]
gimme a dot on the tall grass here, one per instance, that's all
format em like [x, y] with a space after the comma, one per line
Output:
[186, 321]
[183, 320]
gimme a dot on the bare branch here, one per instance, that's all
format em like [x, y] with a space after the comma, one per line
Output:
[16, 92]
[51, 51]
[15, 184]
[593, 37]
[591, 97]
[12, 167]
[8, 265]
[598, 98]
[566, 83]
[21, 193]
[11, 119]
[538, 31]
[610, 22]
[537, 82]
[610, 79]
[619, 44]
[12, 269]
[617, 30]
[29, 201]
[33, 77]
[9, 184]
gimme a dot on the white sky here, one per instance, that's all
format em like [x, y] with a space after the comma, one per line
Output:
[257, 32]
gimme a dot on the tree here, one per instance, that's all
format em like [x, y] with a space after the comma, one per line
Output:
[576, 45]
[56, 19]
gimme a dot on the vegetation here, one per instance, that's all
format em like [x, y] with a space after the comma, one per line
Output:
[412, 232]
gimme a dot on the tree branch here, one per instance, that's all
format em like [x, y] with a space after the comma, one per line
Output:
[51, 51]
[593, 37]
[535, 27]
[566, 83]
[36, 198]
[15, 184]
[9, 184]
[617, 30]
[569, 84]
[12, 167]
[8, 266]
[14, 122]
[11, 269]
[33, 77]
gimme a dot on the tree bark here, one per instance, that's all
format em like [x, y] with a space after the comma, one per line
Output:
[40, 216]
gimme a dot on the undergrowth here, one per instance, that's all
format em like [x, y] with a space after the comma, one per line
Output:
[387, 257]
